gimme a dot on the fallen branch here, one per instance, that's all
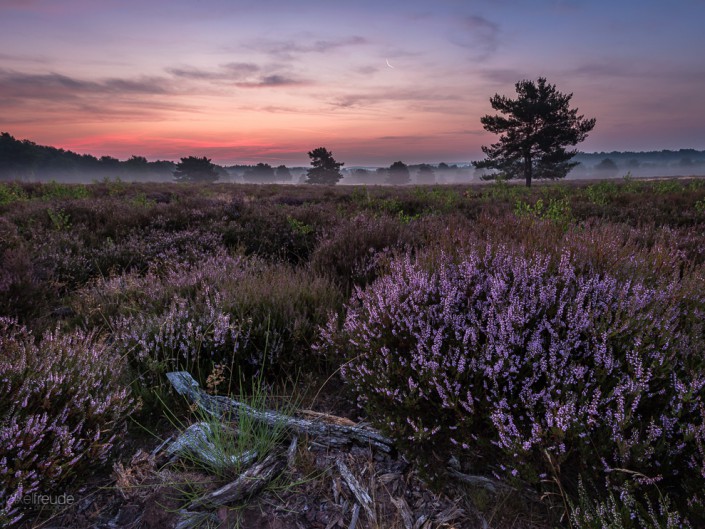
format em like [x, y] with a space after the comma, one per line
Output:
[355, 516]
[189, 520]
[325, 432]
[194, 443]
[404, 511]
[361, 495]
[249, 483]
[328, 433]
[291, 453]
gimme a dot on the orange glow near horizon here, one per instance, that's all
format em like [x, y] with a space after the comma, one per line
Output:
[244, 83]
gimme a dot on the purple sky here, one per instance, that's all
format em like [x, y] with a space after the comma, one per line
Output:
[268, 80]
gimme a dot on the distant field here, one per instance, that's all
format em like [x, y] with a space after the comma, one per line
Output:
[550, 339]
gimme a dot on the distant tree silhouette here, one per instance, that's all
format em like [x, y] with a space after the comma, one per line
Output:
[538, 126]
[398, 174]
[137, 163]
[194, 169]
[22, 159]
[324, 170]
[108, 162]
[261, 173]
[283, 174]
[17, 158]
[607, 167]
[426, 175]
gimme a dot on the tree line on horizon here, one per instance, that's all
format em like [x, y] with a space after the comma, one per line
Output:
[25, 160]
[535, 131]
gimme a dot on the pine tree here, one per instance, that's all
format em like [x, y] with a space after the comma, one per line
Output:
[194, 169]
[538, 126]
[324, 170]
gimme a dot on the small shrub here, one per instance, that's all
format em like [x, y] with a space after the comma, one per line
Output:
[54, 190]
[557, 210]
[270, 233]
[127, 294]
[500, 189]
[602, 192]
[625, 512]
[61, 408]
[700, 206]
[350, 252]
[666, 187]
[141, 200]
[116, 187]
[10, 193]
[631, 184]
[59, 219]
[141, 248]
[284, 308]
[439, 200]
[225, 309]
[299, 227]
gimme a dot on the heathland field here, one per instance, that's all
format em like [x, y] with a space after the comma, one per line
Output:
[534, 357]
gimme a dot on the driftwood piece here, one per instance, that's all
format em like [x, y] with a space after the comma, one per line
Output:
[191, 520]
[423, 521]
[291, 453]
[327, 433]
[355, 516]
[404, 511]
[361, 495]
[194, 443]
[249, 483]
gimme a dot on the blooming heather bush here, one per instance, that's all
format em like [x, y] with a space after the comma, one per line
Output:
[530, 368]
[183, 336]
[225, 309]
[140, 249]
[61, 405]
[107, 299]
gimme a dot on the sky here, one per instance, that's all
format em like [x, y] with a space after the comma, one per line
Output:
[373, 81]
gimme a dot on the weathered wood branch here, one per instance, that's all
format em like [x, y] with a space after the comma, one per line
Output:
[327, 433]
[404, 511]
[291, 453]
[195, 443]
[249, 483]
[189, 520]
[355, 516]
[361, 495]
[331, 434]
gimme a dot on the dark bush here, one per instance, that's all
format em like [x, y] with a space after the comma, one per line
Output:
[351, 251]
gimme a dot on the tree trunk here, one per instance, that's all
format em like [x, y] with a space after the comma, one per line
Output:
[528, 166]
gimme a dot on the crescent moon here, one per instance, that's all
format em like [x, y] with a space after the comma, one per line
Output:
[389, 64]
